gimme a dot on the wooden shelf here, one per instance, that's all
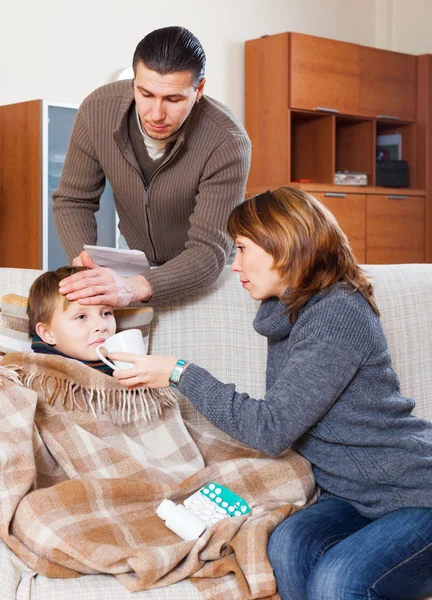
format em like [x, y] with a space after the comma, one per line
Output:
[355, 145]
[310, 132]
[407, 132]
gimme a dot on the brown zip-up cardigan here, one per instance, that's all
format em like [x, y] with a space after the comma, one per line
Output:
[179, 218]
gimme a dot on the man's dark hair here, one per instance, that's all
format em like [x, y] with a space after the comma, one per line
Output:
[171, 50]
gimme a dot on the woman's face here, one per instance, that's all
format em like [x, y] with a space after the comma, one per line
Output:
[255, 268]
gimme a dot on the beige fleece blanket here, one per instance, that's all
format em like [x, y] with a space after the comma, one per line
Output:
[84, 466]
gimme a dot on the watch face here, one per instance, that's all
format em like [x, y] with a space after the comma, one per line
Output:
[175, 376]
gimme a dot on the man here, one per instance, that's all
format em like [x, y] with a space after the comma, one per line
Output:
[177, 162]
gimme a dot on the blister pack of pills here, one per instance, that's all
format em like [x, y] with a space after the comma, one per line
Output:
[214, 502]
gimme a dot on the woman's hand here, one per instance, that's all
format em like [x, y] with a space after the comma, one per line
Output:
[147, 371]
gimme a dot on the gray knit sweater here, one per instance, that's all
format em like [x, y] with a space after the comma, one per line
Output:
[178, 218]
[333, 396]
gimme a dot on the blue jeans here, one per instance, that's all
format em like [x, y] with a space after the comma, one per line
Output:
[329, 551]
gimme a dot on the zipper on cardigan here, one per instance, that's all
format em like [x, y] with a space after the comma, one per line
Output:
[146, 203]
[147, 192]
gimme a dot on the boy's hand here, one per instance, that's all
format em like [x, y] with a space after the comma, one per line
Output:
[147, 371]
[101, 285]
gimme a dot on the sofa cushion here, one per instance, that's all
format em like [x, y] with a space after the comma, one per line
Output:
[404, 297]
[95, 587]
[18, 581]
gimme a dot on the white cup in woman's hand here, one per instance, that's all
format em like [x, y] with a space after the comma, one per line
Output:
[130, 340]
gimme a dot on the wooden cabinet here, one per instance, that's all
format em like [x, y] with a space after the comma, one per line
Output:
[395, 228]
[381, 228]
[328, 75]
[20, 205]
[350, 212]
[315, 107]
[34, 137]
[387, 84]
[324, 74]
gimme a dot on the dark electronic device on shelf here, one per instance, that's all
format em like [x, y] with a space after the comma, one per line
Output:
[392, 173]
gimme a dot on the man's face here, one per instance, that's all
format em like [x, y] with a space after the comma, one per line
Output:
[164, 101]
[77, 330]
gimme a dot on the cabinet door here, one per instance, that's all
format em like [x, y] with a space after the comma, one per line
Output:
[395, 229]
[324, 74]
[20, 185]
[350, 213]
[388, 84]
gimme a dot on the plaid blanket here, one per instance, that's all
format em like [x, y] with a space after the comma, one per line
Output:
[79, 487]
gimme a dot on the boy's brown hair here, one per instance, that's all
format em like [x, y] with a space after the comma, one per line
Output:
[44, 296]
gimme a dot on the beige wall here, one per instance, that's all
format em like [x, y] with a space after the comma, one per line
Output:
[61, 50]
[404, 26]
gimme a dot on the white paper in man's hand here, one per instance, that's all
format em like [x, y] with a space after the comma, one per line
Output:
[124, 261]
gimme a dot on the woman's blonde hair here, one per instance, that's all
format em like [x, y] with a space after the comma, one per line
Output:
[44, 296]
[309, 249]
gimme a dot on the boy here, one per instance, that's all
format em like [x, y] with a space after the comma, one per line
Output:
[67, 328]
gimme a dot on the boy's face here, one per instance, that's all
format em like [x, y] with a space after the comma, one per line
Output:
[77, 330]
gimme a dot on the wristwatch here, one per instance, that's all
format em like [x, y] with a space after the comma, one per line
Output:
[177, 372]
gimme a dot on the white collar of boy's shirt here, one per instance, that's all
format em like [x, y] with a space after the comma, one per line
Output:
[155, 148]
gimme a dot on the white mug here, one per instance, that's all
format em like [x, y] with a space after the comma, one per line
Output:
[129, 340]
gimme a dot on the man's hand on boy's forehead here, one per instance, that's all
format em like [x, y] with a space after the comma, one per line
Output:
[101, 285]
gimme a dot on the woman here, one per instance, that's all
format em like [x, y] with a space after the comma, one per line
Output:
[333, 396]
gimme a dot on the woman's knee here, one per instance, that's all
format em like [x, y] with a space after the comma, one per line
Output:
[287, 544]
[327, 580]
[339, 576]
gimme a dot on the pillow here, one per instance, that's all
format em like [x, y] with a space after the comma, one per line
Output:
[14, 323]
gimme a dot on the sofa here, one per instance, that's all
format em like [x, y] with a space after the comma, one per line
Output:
[215, 330]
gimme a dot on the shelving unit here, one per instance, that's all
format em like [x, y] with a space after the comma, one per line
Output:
[322, 113]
